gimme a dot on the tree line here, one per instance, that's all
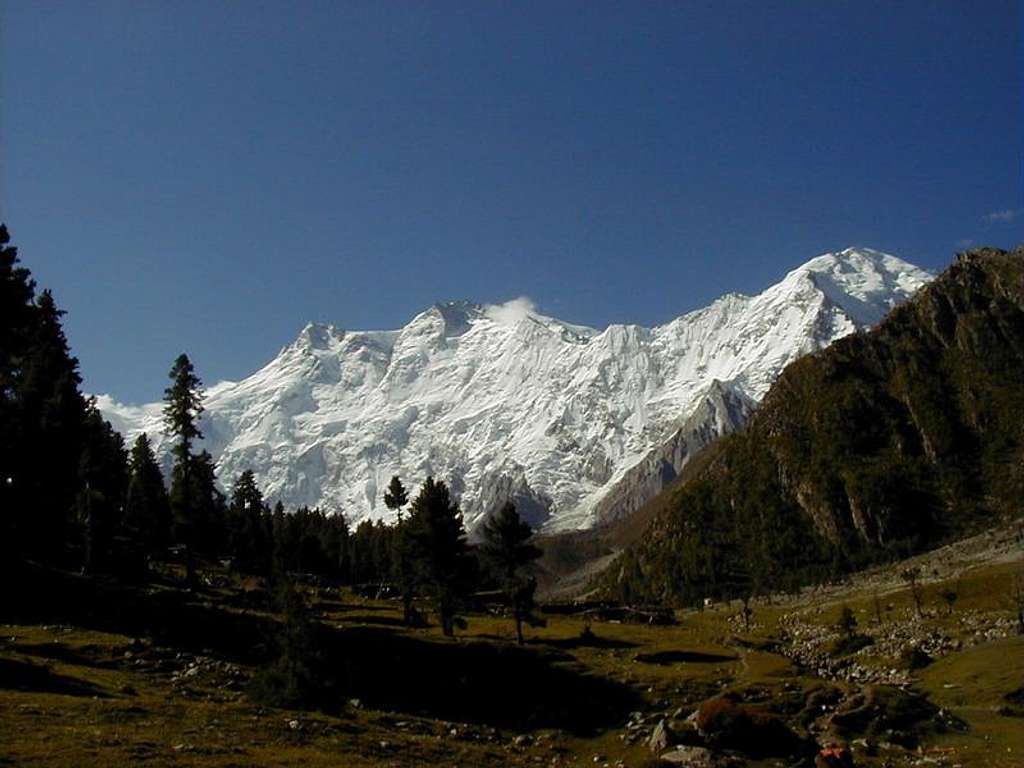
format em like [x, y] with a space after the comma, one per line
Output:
[74, 496]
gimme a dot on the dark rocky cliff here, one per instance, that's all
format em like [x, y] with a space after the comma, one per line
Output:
[720, 411]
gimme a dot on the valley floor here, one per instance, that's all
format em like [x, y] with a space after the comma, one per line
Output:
[579, 693]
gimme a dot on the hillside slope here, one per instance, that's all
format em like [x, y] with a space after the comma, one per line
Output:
[886, 443]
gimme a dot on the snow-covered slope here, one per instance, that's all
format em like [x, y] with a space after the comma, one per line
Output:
[503, 402]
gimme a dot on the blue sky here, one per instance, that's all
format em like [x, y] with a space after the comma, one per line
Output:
[207, 177]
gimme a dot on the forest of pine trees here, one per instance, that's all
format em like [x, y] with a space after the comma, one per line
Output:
[74, 497]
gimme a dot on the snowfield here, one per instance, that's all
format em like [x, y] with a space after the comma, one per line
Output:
[502, 402]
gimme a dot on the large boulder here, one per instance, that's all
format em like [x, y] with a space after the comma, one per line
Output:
[661, 737]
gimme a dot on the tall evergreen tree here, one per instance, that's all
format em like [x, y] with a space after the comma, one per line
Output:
[17, 290]
[281, 546]
[506, 548]
[17, 312]
[339, 545]
[209, 505]
[248, 542]
[103, 477]
[53, 443]
[52, 416]
[396, 497]
[440, 553]
[183, 405]
[147, 513]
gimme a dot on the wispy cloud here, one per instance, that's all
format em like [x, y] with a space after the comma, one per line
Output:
[513, 311]
[1003, 217]
[965, 243]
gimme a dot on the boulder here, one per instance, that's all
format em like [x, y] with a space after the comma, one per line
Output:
[661, 737]
[692, 757]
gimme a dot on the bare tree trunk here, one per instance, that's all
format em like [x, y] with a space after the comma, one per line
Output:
[190, 567]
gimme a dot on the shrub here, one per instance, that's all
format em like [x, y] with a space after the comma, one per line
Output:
[913, 658]
[296, 678]
[725, 723]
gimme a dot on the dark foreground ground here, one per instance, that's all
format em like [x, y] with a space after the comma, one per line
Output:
[102, 675]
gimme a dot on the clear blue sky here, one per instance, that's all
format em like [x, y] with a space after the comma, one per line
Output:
[208, 176]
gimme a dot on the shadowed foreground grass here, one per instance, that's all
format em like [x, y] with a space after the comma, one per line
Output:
[113, 676]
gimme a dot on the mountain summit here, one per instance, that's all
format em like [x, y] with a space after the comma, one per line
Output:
[503, 402]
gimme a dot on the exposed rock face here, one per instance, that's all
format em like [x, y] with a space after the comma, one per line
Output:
[913, 428]
[502, 402]
[720, 411]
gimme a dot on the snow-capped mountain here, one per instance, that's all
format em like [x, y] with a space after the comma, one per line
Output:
[501, 401]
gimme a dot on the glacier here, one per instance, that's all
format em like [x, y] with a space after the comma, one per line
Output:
[503, 402]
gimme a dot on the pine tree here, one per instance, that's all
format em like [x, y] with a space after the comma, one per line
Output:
[147, 513]
[247, 539]
[17, 291]
[280, 549]
[298, 677]
[440, 555]
[103, 478]
[338, 547]
[57, 455]
[396, 497]
[912, 577]
[847, 624]
[210, 507]
[506, 549]
[52, 416]
[183, 405]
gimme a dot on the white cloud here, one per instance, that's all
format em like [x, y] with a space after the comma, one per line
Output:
[965, 243]
[1003, 217]
[511, 312]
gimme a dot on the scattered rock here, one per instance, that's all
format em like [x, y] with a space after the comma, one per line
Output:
[901, 716]
[834, 756]
[661, 737]
[692, 757]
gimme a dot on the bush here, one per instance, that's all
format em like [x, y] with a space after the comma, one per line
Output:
[913, 658]
[725, 723]
[885, 713]
[297, 677]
